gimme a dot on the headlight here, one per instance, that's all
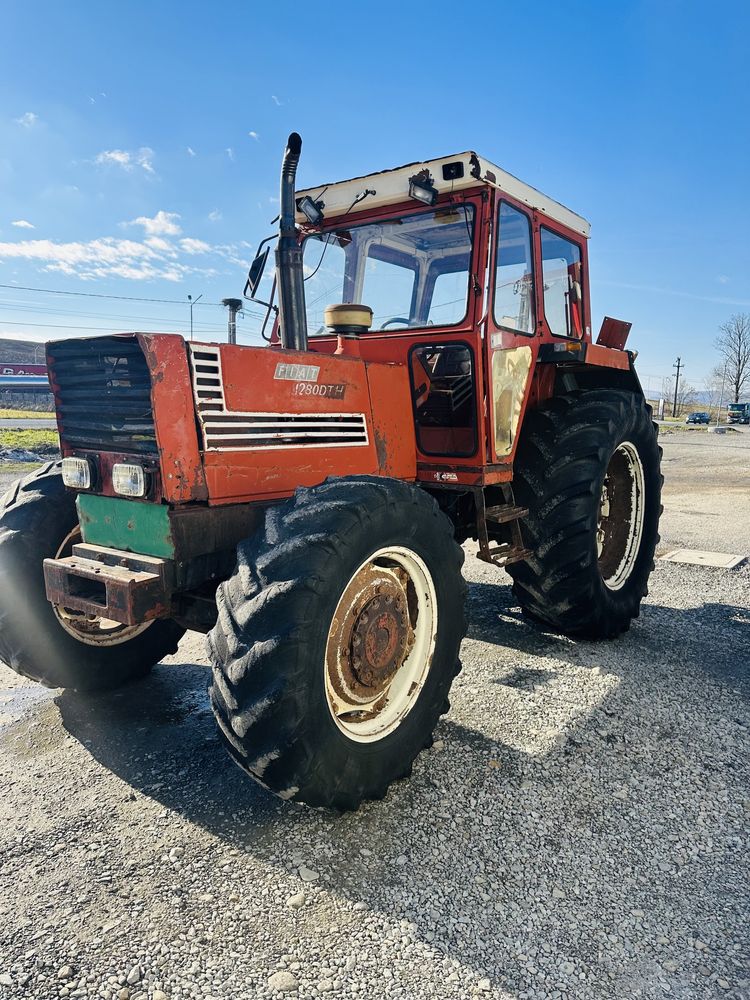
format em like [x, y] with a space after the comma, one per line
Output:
[76, 472]
[128, 480]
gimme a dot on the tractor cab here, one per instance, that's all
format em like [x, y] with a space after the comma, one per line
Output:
[475, 281]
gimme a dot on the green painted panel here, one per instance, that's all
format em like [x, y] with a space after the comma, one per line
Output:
[126, 524]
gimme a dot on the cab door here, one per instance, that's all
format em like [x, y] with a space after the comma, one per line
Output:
[512, 324]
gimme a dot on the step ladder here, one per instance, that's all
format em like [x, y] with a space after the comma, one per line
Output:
[502, 553]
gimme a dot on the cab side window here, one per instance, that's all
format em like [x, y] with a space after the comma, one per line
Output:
[563, 291]
[514, 281]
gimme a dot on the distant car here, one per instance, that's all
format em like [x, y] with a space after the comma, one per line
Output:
[698, 418]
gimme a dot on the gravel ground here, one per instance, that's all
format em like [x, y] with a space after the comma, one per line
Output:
[578, 830]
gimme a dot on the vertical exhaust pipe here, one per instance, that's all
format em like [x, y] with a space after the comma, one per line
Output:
[289, 275]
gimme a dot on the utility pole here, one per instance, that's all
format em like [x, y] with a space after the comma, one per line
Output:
[679, 366]
[192, 302]
[234, 306]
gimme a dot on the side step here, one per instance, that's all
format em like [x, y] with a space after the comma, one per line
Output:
[505, 512]
[120, 586]
[503, 553]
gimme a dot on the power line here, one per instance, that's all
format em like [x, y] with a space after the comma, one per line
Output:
[74, 326]
[102, 295]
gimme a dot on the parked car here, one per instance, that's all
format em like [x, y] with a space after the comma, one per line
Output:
[698, 418]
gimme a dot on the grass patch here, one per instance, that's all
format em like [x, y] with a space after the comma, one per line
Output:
[18, 468]
[32, 439]
[27, 414]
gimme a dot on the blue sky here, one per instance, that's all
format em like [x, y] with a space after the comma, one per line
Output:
[142, 143]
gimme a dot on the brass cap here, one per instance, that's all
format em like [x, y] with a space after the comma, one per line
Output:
[348, 314]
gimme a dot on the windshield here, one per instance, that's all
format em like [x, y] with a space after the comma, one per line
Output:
[412, 271]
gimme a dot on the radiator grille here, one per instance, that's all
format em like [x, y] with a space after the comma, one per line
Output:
[227, 430]
[283, 430]
[104, 394]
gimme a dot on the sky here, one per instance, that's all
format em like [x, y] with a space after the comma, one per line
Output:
[140, 146]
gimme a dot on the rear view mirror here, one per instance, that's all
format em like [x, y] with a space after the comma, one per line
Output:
[256, 272]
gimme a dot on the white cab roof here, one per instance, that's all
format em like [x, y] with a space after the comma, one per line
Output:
[392, 186]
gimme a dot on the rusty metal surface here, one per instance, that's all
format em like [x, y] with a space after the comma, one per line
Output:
[109, 584]
[371, 635]
[509, 514]
[614, 333]
[183, 477]
[392, 420]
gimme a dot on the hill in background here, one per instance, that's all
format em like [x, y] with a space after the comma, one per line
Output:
[25, 351]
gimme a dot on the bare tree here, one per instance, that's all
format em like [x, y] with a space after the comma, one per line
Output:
[713, 389]
[733, 344]
[685, 393]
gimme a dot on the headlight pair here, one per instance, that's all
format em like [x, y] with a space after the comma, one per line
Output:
[128, 480]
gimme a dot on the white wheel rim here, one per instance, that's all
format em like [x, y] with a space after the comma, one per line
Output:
[92, 630]
[394, 592]
[621, 516]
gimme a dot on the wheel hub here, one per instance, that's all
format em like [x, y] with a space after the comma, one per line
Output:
[379, 639]
[380, 644]
[621, 516]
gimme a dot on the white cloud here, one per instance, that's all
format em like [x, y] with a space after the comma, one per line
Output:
[142, 158]
[276, 101]
[27, 120]
[23, 224]
[215, 216]
[230, 153]
[162, 224]
[162, 245]
[190, 151]
[152, 258]
[254, 135]
[118, 156]
[723, 279]
[191, 246]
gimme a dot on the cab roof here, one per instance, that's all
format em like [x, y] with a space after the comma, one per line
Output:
[449, 174]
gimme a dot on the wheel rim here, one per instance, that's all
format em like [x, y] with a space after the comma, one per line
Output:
[380, 644]
[93, 630]
[621, 514]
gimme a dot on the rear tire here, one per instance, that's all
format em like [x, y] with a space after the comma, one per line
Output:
[593, 544]
[37, 515]
[354, 564]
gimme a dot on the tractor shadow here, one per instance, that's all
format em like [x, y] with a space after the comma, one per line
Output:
[505, 819]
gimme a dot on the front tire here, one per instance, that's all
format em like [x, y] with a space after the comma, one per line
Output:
[337, 640]
[58, 648]
[588, 470]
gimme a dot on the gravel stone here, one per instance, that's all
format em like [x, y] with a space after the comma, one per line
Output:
[135, 975]
[282, 982]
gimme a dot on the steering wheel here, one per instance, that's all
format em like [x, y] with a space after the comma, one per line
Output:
[396, 319]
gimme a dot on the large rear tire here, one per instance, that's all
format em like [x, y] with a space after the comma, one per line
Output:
[588, 470]
[58, 648]
[337, 640]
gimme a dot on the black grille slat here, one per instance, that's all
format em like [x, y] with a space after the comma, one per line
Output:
[104, 394]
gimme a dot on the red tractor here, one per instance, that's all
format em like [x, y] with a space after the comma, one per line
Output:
[304, 503]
